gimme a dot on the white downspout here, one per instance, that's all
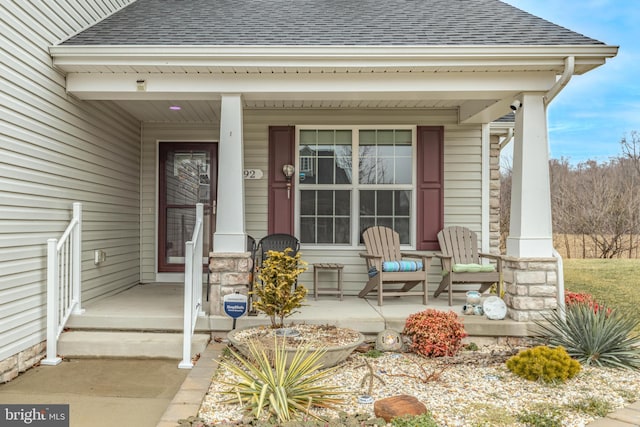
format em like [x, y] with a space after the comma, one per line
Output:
[569, 69]
[485, 188]
[560, 278]
[507, 139]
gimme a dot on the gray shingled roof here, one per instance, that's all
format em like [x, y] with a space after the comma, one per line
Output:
[325, 22]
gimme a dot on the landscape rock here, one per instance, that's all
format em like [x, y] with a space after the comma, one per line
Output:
[398, 406]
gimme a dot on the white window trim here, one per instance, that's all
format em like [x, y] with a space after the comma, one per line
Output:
[355, 199]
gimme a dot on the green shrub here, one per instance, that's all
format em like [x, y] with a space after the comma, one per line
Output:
[592, 406]
[424, 420]
[546, 418]
[435, 333]
[601, 337]
[471, 347]
[283, 393]
[276, 293]
[373, 353]
[545, 364]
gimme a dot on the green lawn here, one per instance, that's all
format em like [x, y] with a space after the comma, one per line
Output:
[614, 282]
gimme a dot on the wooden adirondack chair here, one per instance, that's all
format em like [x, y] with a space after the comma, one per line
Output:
[461, 262]
[383, 255]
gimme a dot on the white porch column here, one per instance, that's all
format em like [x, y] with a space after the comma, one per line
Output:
[530, 230]
[230, 234]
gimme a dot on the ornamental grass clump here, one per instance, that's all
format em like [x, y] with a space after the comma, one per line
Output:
[435, 333]
[600, 337]
[276, 293]
[544, 364]
[271, 391]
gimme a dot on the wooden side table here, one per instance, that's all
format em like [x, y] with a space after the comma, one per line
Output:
[329, 291]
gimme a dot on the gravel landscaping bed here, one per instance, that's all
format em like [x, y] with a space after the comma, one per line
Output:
[473, 388]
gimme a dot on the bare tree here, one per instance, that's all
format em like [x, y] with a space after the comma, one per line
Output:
[631, 153]
[563, 200]
[599, 202]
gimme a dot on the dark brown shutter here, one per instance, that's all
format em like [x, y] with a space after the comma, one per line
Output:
[430, 186]
[281, 152]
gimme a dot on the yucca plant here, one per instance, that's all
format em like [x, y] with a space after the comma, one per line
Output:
[600, 337]
[266, 384]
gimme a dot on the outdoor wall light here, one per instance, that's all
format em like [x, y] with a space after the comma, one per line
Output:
[288, 171]
[516, 105]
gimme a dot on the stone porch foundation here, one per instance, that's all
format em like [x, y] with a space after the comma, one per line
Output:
[530, 284]
[531, 287]
[230, 273]
[18, 363]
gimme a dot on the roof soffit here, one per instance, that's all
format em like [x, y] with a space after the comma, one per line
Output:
[283, 59]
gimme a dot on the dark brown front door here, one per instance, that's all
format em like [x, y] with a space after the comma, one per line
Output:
[188, 175]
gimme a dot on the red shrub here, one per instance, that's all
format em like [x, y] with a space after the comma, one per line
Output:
[435, 333]
[571, 298]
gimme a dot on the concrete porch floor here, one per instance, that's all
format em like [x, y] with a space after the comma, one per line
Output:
[159, 307]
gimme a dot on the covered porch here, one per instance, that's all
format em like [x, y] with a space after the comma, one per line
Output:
[159, 307]
[427, 112]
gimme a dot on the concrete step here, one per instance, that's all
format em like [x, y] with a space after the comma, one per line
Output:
[132, 321]
[127, 344]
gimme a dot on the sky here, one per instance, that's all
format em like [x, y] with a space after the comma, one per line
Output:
[588, 119]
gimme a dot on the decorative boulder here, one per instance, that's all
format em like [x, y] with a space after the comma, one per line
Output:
[398, 406]
[389, 340]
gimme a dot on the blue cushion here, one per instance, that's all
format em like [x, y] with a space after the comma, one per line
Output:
[401, 266]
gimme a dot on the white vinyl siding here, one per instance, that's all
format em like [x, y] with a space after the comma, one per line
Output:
[56, 150]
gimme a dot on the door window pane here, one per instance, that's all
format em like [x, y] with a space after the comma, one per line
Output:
[179, 229]
[188, 178]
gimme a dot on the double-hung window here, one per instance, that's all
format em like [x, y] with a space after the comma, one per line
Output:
[353, 178]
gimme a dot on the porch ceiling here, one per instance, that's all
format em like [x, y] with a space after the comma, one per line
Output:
[479, 81]
[193, 111]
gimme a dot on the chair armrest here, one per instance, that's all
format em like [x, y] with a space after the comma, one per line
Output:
[445, 261]
[369, 256]
[488, 255]
[419, 255]
[372, 260]
[497, 258]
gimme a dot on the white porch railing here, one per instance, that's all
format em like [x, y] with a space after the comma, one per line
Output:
[192, 287]
[64, 270]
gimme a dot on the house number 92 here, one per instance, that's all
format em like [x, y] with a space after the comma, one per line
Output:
[253, 174]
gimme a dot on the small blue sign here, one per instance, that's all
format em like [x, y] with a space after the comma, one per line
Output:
[235, 305]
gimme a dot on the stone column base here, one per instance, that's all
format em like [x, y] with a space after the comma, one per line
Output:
[531, 287]
[230, 273]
